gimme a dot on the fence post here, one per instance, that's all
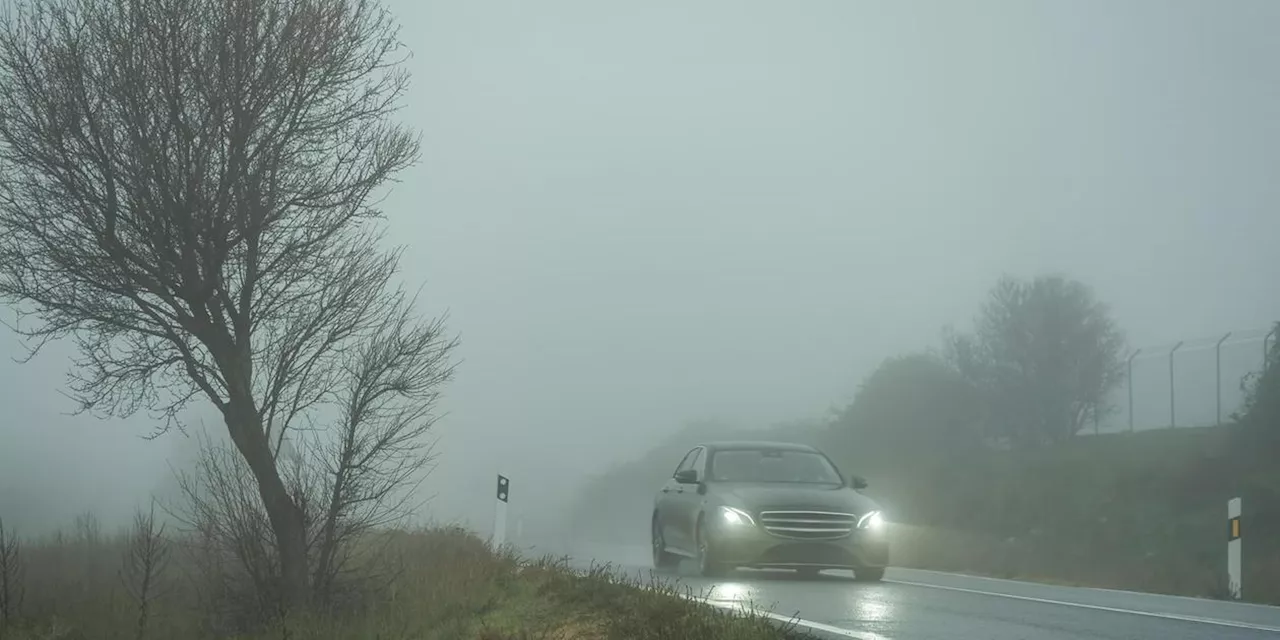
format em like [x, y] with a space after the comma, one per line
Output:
[1129, 379]
[1173, 417]
[1235, 581]
[1217, 363]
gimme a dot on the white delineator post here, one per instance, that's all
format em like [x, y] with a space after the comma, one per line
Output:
[500, 512]
[1234, 582]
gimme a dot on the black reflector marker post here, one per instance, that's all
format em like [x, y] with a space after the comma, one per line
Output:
[1234, 583]
[500, 512]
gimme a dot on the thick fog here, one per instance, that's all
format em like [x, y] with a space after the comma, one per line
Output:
[642, 213]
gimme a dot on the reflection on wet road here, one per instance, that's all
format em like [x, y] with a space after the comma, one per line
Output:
[924, 605]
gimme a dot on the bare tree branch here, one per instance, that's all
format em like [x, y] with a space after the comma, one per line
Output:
[392, 384]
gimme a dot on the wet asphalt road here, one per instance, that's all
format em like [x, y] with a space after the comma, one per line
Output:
[925, 605]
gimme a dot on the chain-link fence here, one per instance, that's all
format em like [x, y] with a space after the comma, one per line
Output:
[1191, 383]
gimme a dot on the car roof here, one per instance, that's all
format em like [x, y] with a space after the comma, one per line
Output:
[756, 445]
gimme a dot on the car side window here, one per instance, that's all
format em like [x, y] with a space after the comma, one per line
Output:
[685, 462]
[697, 458]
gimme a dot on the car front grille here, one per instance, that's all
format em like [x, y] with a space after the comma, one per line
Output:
[808, 525]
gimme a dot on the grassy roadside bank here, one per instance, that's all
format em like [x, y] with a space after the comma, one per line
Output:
[1143, 511]
[445, 584]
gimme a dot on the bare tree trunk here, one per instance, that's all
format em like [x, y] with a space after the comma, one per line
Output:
[329, 537]
[286, 516]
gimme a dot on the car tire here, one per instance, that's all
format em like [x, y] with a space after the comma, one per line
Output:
[662, 559]
[707, 566]
[868, 574]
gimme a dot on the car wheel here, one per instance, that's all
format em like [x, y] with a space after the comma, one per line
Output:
[662, 559]
[868, 574]
[707, 566]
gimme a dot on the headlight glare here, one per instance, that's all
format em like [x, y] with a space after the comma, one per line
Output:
[736, 516]
[871, 520]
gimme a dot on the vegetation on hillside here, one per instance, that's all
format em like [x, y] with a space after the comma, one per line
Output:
[912, 402]
[1260, 415]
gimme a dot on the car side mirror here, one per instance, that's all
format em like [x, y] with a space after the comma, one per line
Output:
[687, 476]
[858, 482]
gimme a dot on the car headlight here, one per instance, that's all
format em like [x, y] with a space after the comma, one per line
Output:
[871, 520]
[733, 516]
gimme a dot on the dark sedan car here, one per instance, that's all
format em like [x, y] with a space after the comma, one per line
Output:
[767, 505]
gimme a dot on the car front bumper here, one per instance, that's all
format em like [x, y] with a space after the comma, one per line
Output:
[746, 545]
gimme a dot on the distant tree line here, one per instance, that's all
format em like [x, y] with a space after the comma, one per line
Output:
[1037, 367]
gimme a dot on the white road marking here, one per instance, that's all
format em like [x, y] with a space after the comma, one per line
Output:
[1096, 607]
[792, 620]
[1126, 592]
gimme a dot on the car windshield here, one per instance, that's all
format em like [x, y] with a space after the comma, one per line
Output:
[772, 465]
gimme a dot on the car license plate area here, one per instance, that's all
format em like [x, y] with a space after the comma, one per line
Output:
[807, 553]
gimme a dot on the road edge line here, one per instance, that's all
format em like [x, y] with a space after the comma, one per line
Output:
[1095, 607]
[1085, 587]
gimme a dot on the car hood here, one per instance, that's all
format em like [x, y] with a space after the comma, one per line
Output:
[775, 496]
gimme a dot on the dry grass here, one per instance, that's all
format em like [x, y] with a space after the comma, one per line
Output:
[447, 584]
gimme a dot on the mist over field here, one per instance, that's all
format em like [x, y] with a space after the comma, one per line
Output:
[640, 215]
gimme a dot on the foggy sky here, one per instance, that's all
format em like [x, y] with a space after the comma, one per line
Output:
[642, 213]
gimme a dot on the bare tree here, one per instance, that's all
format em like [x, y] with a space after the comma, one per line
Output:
[11, 589]
[88, 530]
[187, 189]
[349, 479]
[145, 563]
[379, 452]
